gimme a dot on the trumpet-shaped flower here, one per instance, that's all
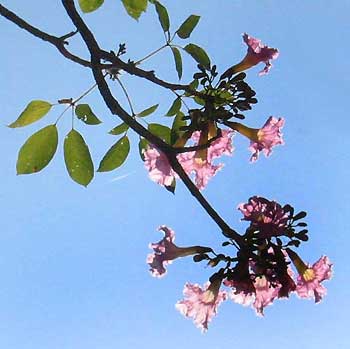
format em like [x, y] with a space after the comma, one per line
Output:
[201, 304]
[267, 137]
[309, 282]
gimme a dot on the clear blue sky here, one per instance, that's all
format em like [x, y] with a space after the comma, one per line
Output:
[72, 260]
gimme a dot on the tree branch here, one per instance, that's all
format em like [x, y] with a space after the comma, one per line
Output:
[115, 108]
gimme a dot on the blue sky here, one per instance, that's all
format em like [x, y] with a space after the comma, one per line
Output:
[72, 260]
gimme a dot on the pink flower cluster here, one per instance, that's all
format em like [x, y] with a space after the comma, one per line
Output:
[202, 304]
[267, 216]
[257, 290]
[267, 137]
[161, 172]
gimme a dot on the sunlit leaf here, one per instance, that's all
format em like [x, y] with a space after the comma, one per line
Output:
[175, 107]
[187, 26]
[148, 111]
[178, 61]
[116, 155]
[163, 16]
[85, 114]
[198, 54]
[38, 150]
[90, 5]
[135, 7]
[34, 111]
[78, 159]
[119, 129]
[160, 131]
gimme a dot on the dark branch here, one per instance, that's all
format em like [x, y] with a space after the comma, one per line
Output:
[115, 108]
[58, 42]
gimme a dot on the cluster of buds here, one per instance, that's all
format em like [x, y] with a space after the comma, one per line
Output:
[260, 271]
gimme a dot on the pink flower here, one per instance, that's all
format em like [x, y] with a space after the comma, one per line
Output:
[201, 304]
[158, 166]
[203, 170]
[258, 52]
[267, 216]
[265, 294]
[309, 282]
[165, 251]
[162, 173]
[267, 137]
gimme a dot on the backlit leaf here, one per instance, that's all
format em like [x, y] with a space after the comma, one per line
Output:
[78, 159]
[38, 150]
[175, 107]
[135, 7]
[90, 5]
[34, 111]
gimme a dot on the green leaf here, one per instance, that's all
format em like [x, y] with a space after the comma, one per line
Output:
[160, 131]
[178, 61]
[171, 188]
[34, 111]
[86, 115]
[119, 129]
[175, 129]
[78, 159]
[135, 7]
[143, 145]
[148, 111]
[198, 54]
[115, 156]
[187, 27]
[90, 5]
[175, 107]
[37, 151]
[163, 16]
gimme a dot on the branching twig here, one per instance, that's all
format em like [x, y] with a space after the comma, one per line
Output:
[115, 108]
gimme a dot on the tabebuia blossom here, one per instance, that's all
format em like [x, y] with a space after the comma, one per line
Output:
[257, 53]
[309, 280]
[158, 166]
[201, 304]
[261, 139]
[269, 217]
[202, 170]
[267, 137]
[165, 251]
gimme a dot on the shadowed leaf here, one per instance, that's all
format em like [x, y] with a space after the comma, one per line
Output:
[116, 155]
[148, 111]
[119, 129]
[160, 131]
[187, 26]
[198, 54]
[178, 61]
[85, 114]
